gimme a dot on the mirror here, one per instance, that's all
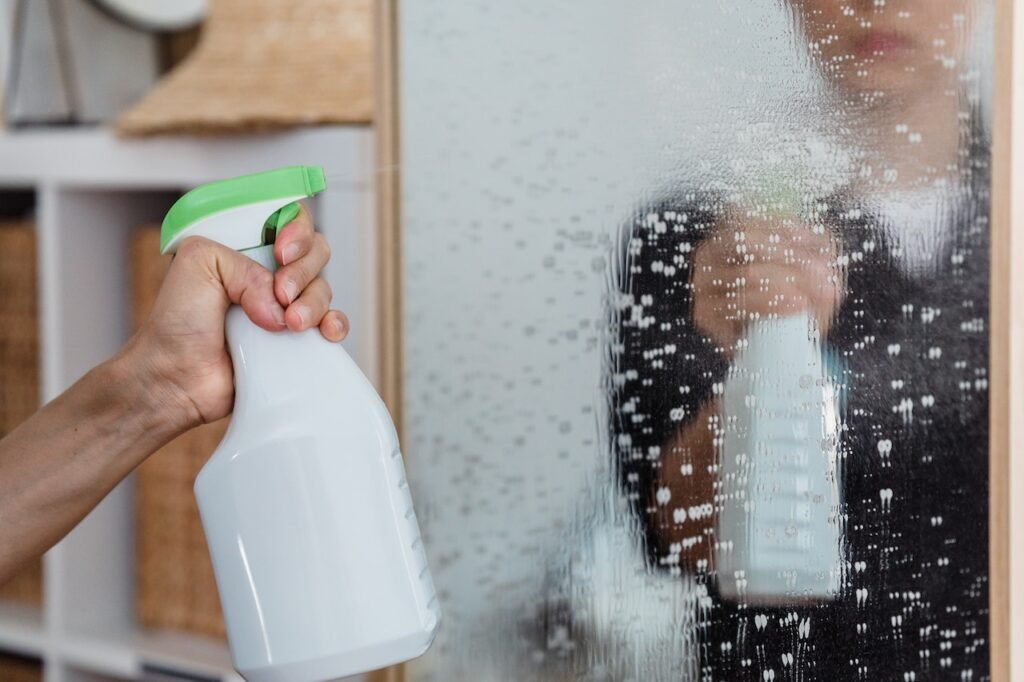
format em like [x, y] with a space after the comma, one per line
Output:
[696, 336]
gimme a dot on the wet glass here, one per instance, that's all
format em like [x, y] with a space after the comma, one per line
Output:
[696, 336]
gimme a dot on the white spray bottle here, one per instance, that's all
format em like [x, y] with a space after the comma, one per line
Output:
[305, 504]
[778, 535]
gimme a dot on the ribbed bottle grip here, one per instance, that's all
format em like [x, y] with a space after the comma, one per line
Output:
[423, 585]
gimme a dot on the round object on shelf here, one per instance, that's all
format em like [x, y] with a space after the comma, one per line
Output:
[157, 15]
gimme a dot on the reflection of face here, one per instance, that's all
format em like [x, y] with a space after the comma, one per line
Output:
[894, 46]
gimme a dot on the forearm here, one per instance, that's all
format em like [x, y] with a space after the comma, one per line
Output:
[689, 475]
[62, 461]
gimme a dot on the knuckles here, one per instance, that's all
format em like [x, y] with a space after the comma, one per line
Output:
[193, 248]
[261, 277]
[325, 289]
[197, 249]
[320, 244]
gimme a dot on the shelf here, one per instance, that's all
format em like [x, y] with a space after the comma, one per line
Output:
[21, 629]
[131, 654]
[95, 157]
[66, 166]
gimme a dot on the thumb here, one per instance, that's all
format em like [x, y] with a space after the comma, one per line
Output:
[242, 280]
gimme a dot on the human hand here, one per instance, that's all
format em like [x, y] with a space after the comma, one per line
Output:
[752, 267]
[180, 350]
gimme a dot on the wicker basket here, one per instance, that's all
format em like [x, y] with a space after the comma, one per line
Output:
[18, 669]
[266, 64]
[176, 588]
[19, 362]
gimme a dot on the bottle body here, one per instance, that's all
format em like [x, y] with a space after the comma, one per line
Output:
[779, 537]
[308, 517]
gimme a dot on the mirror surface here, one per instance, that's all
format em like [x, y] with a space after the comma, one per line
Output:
[696, 336]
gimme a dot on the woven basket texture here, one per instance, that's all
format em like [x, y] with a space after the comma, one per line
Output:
[19, 363]
[266, 64]
[176, 589]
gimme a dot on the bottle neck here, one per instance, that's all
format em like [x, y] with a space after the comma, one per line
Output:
[255, 353]
[264, 255]
[263, 361]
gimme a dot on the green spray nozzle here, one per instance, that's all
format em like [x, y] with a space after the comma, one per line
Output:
[235, 212]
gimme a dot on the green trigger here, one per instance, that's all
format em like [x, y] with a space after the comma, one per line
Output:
[284, 215]
[279, 219]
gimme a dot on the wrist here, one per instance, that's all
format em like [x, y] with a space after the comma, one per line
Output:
[149, 393]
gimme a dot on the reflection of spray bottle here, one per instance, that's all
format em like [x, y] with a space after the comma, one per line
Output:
[305, 505]
[778, 533]
[778, 537]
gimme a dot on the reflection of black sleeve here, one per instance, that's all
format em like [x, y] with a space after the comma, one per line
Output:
[663, 368]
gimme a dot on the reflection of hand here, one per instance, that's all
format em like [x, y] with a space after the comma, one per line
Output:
[685, 518]
[755, 267]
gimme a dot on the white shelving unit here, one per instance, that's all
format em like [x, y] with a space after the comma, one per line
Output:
[91, 189]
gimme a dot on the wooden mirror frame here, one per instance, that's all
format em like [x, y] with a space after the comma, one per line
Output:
[389, 244]
[1006, 326]
[1006, 329]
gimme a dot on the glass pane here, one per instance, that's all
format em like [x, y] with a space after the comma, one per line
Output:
[696, 339]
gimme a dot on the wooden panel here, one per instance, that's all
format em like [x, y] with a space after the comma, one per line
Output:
[1007, 335]
[389, 244]
[389, 209]
[19, 363]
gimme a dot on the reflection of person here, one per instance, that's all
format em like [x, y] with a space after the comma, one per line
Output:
[175, 373]
[898, 285]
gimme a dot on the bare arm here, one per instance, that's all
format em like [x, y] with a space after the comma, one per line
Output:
[175, 373]
[688, 473]
[59, 464]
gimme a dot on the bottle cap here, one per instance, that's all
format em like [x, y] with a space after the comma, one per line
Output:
[241, 213]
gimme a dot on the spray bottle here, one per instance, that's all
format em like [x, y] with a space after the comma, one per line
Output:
[778, 535]
[305, 504]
